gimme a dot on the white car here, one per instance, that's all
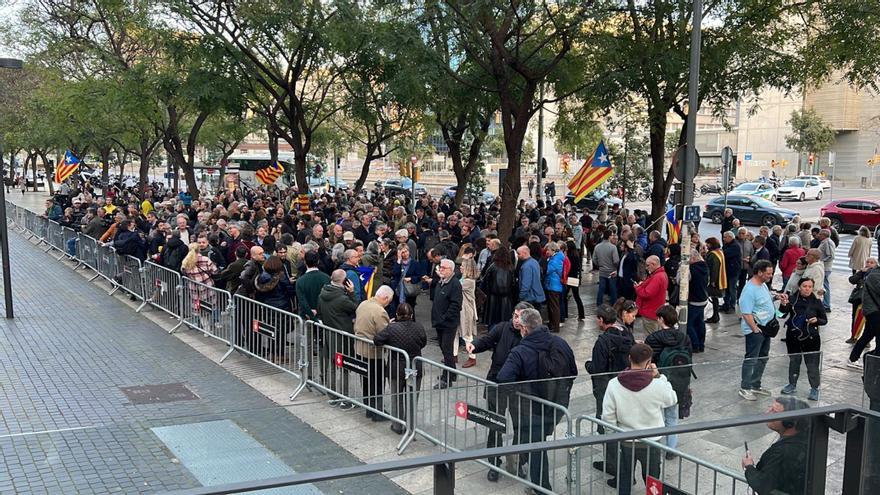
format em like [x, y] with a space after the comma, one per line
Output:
[800, 189]
[760, 189]
[826, 184]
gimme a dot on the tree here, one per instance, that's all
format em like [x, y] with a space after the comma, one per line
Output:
[642, 51]
[221, 136]
[576, 130]
[512, 49]
[810, 134]
[282, 50]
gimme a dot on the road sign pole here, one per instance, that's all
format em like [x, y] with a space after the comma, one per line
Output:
[539, 192]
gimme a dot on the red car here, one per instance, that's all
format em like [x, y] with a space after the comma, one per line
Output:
[850, 214]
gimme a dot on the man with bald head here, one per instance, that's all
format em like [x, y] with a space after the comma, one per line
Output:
[530, 288]
[251, 271]
[651, 294]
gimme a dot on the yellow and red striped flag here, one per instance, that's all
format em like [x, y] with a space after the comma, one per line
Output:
[67, 167]
[268, 175]
[596, 170]
[858, 324]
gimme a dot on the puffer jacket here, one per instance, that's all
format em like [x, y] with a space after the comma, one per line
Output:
[274, 290]
[555, 267]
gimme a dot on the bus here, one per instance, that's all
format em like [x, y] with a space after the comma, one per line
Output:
[247, 165]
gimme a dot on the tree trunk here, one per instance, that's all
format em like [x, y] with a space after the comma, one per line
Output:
[657, 137]
[34, 170]
[515, 116]
[464, 171]
[50, 171]
[144, 171]
[104, 155]
[365, 168]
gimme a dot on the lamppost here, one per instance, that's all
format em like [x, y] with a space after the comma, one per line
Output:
[6, 63]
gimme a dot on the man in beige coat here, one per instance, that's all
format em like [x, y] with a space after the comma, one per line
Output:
[370, 319]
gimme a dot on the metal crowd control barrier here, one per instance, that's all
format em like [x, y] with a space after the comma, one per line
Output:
[69, 235]
[128, 275]
[41, 229]
[210, 311]
[87, 251]
[688, 478]
[55, 237]
[353, 369]
[162, 289]
[105, 262]
[270, 334]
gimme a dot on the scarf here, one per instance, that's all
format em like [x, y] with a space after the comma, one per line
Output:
[722, 272]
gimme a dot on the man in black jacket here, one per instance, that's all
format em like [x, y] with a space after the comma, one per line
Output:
[500, 339]
[445, 315]
[782, 466]
[610, 356]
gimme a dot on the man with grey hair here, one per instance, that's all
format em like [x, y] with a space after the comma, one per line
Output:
[530, 361]
[826, 249]
[446, 315]
[402, 238]
[336, 309]
[747, 253]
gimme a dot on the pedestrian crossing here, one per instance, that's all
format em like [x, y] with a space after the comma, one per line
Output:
[841, 254]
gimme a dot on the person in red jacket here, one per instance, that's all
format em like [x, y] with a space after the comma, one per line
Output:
[789, 260]
[651, 294]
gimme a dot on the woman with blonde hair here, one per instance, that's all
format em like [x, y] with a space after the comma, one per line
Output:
[467, 326]
[199, 269]
[860, 250]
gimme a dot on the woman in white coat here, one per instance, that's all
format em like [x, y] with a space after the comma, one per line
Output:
[467, 327]
[860, 250]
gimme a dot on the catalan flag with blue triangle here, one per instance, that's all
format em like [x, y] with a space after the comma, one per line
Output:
[268, 175]
[367, 275]
[67, 167]
[595, 171]
[673, 227]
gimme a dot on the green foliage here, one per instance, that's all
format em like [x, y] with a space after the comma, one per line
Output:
[576, 128]
[810, 134]
[477, 181]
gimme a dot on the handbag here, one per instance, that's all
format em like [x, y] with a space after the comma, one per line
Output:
[771, 328]
[411, 290]
[573, 282]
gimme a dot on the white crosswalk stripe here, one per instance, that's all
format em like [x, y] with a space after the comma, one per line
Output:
[841, 254]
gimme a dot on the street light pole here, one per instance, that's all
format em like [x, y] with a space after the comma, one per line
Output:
[6, 63]
[539, 162]
[690, 168]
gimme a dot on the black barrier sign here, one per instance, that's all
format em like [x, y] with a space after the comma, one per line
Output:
[351, 364]
[262, 328]
[207, 307]
[480, 416]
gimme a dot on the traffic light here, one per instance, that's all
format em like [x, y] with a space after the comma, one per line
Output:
[543, 167]
[810, 159]
[772, 163]
[416, 174]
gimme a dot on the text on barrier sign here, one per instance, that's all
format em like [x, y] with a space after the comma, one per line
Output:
[351, 364]
[653, 486]
[207, 307]
[480, 416]
[263, 328]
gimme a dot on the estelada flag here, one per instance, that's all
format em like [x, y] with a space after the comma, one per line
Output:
[66, 168]
[673, 227]
[596, 170]
[367, 274]
[268, 175]
[858, 324]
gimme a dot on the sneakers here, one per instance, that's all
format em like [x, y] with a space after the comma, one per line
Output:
[345, 405]
[814, 394]
[855, 365]
[789, 389]
[762, 391]
[747, 394]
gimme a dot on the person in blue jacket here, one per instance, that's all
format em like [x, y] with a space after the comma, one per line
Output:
[553, 284]
[530, 289]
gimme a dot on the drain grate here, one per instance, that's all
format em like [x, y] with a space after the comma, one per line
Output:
[158, 393]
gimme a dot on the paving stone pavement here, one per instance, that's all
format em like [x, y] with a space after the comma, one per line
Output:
[65, 425]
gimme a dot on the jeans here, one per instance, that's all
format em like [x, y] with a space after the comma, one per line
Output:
[826, 298]
[607, 285]
[670, 418]
[71, 247]
[696, 326]
[795, 349]
[534, 430]
[757, 350]
[649, 459]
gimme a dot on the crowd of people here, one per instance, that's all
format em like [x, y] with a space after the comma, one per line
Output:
[508, 296]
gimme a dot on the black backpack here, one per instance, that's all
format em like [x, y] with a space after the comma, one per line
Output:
[556, 376]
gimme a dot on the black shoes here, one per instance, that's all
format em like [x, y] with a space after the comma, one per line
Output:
[398, 428]
[492, 476]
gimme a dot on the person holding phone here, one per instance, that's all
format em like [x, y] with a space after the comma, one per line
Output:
[805, 315]
[782, 468]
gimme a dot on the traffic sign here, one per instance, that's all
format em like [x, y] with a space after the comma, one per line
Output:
[747, 157]
[678, 162]
[727, 156]
[692, 213]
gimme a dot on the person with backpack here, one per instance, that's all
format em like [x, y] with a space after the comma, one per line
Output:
[609, 356]
[547, 361]
[673, 354]
[635, 400]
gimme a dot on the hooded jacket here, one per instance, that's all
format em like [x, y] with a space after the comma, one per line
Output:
[635, 400]
[522, 363]
[274, 290]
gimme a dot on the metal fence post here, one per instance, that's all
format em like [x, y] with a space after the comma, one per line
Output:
[444, 479]
[853, 460]
[141, 276]
[302, 363]
[817, 455]
[412, 387]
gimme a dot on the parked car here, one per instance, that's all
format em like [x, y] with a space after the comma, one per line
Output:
[403, 185]
[591, 200]
[826, 184]
[451, 190]
[759, 189]
[850, 214]
[340, 184]
[751, 210]
[800, 189]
